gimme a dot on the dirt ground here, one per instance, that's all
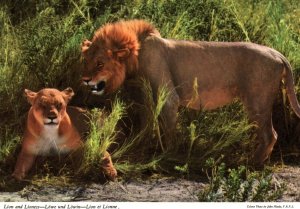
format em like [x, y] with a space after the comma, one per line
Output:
[290, 175]
[163, 189]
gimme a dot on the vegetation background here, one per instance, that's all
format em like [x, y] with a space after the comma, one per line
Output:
[40, 47]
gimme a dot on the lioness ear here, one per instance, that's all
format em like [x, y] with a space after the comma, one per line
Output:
[30, 95]
[68, 93]
[122, 53]
[84, 47]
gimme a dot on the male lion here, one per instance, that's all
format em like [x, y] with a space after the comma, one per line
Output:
[199, 75]
[52, 129]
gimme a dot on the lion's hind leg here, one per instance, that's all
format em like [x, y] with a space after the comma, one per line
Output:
[266, 135]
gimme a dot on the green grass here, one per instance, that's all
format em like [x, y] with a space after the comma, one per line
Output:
[154, 109]
[103, 132]
[40, 47]
[7, 148]
[239, 185]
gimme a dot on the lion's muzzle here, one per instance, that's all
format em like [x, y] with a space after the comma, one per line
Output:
[96, 88]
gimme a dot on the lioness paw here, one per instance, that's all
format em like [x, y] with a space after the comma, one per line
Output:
[110, 173]
[108, 168]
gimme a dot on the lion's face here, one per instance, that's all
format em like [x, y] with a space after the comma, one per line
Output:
[104, 69]
[112, 54]
[49, 105]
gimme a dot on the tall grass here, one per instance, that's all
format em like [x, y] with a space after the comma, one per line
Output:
[149, 135]
[103, 132]
[154, 108]
[193, 20]
[7, 148]
[224, 131]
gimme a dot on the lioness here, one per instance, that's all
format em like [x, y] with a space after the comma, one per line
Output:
[199, 75]
[51, 129]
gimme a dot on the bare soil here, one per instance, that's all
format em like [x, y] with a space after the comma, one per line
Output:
[163, 189]
[289, 175]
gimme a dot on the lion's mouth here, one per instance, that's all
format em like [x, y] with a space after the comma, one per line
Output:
[99, 88]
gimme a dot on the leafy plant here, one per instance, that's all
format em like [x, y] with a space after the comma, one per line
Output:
[239, 185]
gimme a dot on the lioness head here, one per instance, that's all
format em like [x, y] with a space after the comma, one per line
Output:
[112, 54]
[49, 105]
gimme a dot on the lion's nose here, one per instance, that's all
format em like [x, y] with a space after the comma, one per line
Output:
[86, 80]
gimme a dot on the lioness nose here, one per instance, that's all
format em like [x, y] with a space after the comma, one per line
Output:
[86, 80]
[52, 117]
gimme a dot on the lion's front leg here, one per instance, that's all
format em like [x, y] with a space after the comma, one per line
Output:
[23, 165]
[159, 115]
[168, 120]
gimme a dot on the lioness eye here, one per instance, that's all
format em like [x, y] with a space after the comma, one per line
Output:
[42, 105]
[58, 106]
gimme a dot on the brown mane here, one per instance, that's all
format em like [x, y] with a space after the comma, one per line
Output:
[124, 34]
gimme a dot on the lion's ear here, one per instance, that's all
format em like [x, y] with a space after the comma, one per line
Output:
[84, 47]
[30, 95]
[68, 93]
[122, 53]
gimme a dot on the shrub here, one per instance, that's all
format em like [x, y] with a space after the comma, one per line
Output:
[102, 134]
[239, 185]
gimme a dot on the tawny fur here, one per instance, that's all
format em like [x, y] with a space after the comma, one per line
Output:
[199, 75]
[50, 130]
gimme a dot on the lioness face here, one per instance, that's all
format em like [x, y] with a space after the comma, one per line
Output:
[49, 105]
[104, 69]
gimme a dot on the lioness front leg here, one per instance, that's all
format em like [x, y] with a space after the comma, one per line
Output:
[23, 165]
[108, 168]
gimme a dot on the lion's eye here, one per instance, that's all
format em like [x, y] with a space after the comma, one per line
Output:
[100, 65]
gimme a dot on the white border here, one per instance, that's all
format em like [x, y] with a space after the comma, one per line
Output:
[147, 205]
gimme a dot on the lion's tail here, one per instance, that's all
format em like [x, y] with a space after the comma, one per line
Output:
[289, 86]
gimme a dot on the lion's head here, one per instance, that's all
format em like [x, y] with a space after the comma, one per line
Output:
[48, 106]
[113, 54]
